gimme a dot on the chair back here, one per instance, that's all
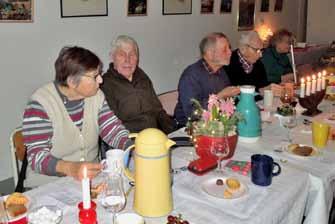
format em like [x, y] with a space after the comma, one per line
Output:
[18, 151]
[169, 101]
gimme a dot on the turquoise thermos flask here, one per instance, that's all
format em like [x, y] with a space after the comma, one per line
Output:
[249, 129]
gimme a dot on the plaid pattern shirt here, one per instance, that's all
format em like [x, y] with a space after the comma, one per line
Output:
[246, 66]
[208, 68]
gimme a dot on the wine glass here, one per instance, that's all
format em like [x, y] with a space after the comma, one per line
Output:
[286, 96]
[113, 198]
[289, 122]
[220, 150]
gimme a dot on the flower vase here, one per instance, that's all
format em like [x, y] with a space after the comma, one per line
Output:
[204, 144]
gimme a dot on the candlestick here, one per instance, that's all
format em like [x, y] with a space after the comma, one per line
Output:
[318, 82]
[85, 184]
[313, 84]
[302, 88]
[293, 65]
[323, 80]
[308, 86]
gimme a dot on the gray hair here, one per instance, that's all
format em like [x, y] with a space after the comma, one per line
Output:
[209, 41]
[247, 38]
[122, 39]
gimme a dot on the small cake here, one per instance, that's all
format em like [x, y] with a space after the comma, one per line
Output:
[233, 184]
[303, 150]
[16, 204]
[219, 182]
[227, 194]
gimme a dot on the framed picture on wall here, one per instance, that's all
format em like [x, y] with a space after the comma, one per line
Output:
[16, 11]
[279, 5]
[137, 7]
[207, 6]
[83, 8]
[177, 7]
[265, 5]
[246, 15]
[226, 6]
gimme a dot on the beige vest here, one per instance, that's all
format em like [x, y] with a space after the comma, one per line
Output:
[68, 142]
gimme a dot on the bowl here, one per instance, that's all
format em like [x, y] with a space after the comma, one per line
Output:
[45, 214]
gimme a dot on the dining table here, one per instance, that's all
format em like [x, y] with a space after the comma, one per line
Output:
[302, 193]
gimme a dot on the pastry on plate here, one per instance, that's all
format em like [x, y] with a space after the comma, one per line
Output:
[227, 194]
[233, 184]
[16, 204]
[291, 147]
[303, 150]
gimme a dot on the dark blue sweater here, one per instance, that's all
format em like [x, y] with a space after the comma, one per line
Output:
[196, 82]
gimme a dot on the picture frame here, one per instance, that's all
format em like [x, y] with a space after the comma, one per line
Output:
[137, 8]
[177, 7]
[207, 7]
[246, 15]
[17, 11]
[83, 8]
[279, 5]
[265, 5]
[226, 6]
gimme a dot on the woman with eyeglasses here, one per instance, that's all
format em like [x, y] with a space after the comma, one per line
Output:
[64, 119]
[245, 66]
[275, 59]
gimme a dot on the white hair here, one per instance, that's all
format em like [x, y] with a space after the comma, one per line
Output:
[247, 38]
[122, 39]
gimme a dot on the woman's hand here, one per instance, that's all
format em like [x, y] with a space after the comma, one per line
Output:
[76, 169]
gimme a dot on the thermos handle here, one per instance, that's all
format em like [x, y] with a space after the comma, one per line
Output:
[127, 172]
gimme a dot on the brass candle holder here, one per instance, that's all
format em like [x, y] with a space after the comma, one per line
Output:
[311, 102]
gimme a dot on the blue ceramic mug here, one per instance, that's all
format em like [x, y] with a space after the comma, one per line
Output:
[262, 167]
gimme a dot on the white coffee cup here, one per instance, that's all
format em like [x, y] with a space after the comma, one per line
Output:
[129, 218]
[268, 98]
[114, 162]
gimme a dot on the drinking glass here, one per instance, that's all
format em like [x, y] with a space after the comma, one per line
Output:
[3, 214]
[289, 122]
[220, 150]
[286, 96]
[113, 198]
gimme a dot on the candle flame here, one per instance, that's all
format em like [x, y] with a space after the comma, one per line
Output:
[313, 77]
[319, 74]
[308, 79]
[302, 80]
[324, 73]
[85, 172]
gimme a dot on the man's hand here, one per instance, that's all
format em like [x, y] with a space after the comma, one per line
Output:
[276, 89]
[229, 92]
[75, 169]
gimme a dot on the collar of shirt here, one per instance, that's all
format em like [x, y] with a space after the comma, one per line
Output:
[209, 68]
[246, 66]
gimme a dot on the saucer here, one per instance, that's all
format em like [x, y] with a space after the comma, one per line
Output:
[211, 187]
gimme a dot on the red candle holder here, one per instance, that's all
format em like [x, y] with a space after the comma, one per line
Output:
[88, 216]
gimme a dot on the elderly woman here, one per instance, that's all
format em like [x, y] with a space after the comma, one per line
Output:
[245, 66]
[64, 119]
[277, 64]
[129, 91]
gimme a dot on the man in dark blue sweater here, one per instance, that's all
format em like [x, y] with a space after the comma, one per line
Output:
[205, 77]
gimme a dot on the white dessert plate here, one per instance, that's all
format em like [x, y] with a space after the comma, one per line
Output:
[291, 151]
[211, 187]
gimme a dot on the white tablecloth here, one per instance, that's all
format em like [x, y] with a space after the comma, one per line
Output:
[304, 187]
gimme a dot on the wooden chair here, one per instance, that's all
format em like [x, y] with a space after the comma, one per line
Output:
[169, 101]
[18, 154]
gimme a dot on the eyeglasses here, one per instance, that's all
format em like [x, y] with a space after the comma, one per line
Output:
[95, 77]
[257, 50]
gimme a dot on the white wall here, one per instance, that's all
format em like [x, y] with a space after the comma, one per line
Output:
[320, 21]
[167, 45]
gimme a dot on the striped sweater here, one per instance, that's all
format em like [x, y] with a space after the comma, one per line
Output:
[38, 132]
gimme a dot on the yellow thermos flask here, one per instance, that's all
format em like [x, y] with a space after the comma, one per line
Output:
[153, 194]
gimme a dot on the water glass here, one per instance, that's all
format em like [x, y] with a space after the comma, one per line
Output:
[113, 198]
[3, 213]
[289, 122]
[220, 150]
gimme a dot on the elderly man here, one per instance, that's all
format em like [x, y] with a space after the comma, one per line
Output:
[245, 66]
[64, 119]
[205, 77]
[129, 91]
